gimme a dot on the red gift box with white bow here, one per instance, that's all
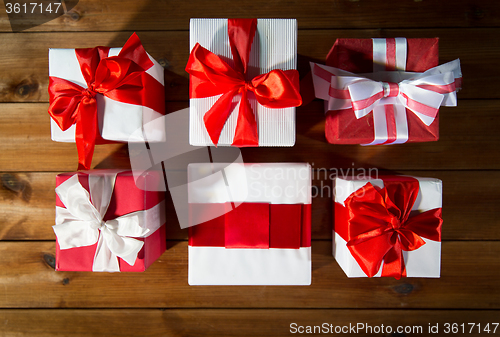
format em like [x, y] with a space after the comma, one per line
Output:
[384, 91]
[108, 221]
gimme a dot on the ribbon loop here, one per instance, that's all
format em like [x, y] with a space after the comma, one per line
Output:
[211, 76]
[380, 226]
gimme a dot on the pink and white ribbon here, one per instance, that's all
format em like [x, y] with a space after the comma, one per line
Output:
[389, 54]
[388, 94]
[81, 222]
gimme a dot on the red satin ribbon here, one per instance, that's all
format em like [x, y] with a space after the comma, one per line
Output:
[117, 77]
[380, 226]
[211, 76]
[255, 225]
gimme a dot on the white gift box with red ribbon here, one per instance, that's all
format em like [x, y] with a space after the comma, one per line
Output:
[118, 121]
[274, 47]
[422, 262]
[224, 188]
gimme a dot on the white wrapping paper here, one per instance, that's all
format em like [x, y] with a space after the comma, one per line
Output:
[284, 183]
[118, 121]
[274, 47]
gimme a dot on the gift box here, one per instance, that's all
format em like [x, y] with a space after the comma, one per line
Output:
[384, 91]
[107, 220]
[388, 226]
[243, 84]
[104, 95]
[250, 224]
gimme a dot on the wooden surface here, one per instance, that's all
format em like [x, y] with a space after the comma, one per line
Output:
[37, 301]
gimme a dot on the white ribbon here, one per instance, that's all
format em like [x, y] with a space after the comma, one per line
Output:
[81, 222]
[419, 92]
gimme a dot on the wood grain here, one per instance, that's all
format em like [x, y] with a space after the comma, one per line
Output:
[116, 15]
[25, 143]
[470, 200]
[224, 322]
[30, 282]
[37, 301]
[25, 79]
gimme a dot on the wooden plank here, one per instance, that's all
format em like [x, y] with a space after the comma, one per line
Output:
[29, 281]
[116, 15]
[243, 322]
[24, 79]
[25, 133]
[468, 141]
[470, 209]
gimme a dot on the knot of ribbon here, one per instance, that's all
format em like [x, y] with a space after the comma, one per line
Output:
[82, 223]
[390, 89]
[420, 93]
[380, 226]
[117, 77]
[212, 76]
[90, 92]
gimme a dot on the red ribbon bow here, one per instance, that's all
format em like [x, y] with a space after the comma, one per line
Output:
[116, 77]
[211, 76]
[380, 226]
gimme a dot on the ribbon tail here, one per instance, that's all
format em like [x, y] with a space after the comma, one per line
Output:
[111, 246]
[124, 247]
[216, 117]
[394, 264]
[246, 133]
[86, 132]
[104, 258]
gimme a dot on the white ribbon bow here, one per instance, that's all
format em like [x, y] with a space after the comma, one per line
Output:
[81, 222]
[422, 93]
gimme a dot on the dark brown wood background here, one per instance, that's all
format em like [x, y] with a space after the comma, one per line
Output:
[37, 301]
